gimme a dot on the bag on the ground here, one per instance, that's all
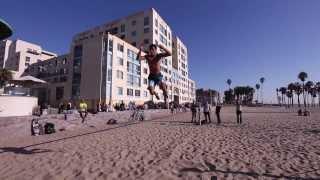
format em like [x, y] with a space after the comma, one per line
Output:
[112, 121]
[49, 128]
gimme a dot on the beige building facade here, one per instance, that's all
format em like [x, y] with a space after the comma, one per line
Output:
[55, 72]
[105, 69]
[17, 55]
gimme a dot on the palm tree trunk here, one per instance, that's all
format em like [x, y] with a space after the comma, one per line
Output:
[292, 100]
[304, 97]
[299, 101]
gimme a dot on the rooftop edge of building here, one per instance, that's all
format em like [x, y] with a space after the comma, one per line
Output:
[111, 23]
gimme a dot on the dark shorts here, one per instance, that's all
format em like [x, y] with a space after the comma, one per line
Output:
[155, 79]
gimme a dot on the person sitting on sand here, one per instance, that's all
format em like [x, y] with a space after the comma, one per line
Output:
[83, 110]
[239, 113]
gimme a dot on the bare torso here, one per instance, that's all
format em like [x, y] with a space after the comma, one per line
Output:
[154, 64]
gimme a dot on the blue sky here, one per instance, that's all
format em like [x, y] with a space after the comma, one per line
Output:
[238, 39]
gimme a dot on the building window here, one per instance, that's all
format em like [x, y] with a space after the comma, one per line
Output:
[134, 22]
[78, 51]
[163, 39]
[145, 70]
[122, 28]
[120, 61]
[120, 47]
[137, 93]
[156, 31]
[120, 91]
[145, 81]
[63, 79]
[156, 22]
[145, 93]
[146, 21]
[146, 30]
[133, 33]
[119, 74]
[110, 45]
[130, 92]
[59, 93]
[146, 41]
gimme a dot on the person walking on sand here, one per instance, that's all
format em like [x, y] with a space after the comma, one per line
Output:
[218, 109]
[239, 113]
[206, 112]
[83, 110]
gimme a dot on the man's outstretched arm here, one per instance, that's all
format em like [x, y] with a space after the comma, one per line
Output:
[166, 51]
[140, 56]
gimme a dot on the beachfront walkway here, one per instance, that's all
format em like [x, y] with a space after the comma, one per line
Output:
[270, 144]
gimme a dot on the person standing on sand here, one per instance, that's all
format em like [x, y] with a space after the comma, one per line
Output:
[172, 108]
[239, 113]
[83, 110]
[206, 112]
[194, 112]
[218, 109]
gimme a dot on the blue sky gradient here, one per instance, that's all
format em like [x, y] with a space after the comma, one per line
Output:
[238, 39]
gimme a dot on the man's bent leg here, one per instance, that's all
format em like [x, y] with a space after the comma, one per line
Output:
[152, 92]
[163, 87]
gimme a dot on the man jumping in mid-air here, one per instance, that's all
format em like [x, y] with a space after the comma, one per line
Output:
[155, 77]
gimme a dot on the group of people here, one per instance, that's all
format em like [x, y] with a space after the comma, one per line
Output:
[206, 109]
[103, 107]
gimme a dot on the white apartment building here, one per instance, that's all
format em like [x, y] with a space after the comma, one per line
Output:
[146, 27]
[183, 85]
[18, 55]
[105, 69]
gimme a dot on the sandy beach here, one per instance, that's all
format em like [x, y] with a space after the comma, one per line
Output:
[272, 143]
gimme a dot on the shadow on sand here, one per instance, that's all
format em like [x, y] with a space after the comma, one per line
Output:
[314, 131]
[268, 112]
[22, 150]
[212, 168]
[120, 125]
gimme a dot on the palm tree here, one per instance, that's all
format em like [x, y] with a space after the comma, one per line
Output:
[229, 83]
[283, 91]
[291, 88]
[298, 91]
[5, 76]
[303, 76]
[277, 90]
[257, 87]
[308, 88]
[289, 96]
[262, 79]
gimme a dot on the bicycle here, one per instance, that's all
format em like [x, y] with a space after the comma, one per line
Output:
[137, 115]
